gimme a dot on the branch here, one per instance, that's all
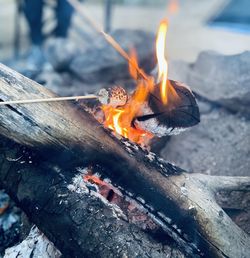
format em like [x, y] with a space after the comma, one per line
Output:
[224, 183]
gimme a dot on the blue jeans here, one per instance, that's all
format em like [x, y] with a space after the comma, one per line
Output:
[33, 10]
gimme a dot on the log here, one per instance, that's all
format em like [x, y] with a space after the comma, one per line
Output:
[79, 223]
[182, 203]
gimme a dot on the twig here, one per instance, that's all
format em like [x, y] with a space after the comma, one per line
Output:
[29, 101]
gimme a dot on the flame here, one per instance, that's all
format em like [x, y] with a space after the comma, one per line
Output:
[120, 119]
[162, 62]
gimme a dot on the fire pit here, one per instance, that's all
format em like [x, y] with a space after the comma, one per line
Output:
[85, 176]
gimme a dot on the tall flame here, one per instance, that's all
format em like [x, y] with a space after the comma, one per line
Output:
[162, 62]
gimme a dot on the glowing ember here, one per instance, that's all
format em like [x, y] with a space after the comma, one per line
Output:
[93, 179]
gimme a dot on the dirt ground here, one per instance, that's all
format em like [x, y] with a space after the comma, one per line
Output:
[188, 33]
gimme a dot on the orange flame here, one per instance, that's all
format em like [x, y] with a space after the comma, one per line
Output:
[120, 119]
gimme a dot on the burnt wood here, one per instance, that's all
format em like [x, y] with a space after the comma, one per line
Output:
[182, 203]
[182, 110]
[78, 223]
[178, 113]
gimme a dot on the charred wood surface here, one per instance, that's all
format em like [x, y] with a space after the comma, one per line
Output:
[78, 223]
[183, 204]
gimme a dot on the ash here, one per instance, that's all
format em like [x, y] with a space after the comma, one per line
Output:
[78, 185]
[35, 245]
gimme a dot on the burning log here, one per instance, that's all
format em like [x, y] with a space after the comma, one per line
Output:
[181, 112]
[79, 223]
[183, 204]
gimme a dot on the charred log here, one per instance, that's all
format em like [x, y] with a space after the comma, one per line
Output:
[183, 204]
[79, 223]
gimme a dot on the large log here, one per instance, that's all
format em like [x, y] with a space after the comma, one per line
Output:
[182, 203]
[79, 223]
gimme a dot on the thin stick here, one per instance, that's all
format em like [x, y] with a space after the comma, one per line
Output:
[28, 101]
[77, 6]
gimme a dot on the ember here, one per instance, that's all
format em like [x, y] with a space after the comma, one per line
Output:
[130, 207]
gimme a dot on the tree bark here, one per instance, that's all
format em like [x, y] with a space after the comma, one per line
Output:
[183, 204]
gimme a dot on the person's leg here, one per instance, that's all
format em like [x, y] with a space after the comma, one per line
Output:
[64, 13]
[33, 12]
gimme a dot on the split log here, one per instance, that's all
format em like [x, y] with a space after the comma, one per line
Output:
[182, 203]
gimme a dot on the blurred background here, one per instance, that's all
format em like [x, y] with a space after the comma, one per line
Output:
[190, 30]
